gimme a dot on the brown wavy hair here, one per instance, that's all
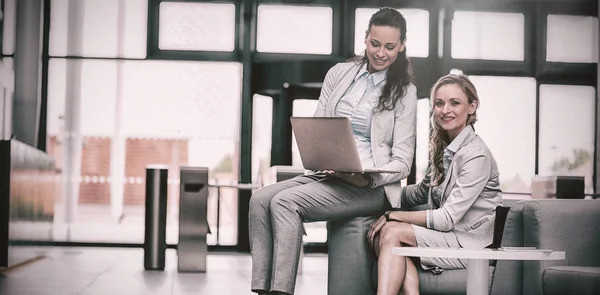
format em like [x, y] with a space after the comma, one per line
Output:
[439, 140]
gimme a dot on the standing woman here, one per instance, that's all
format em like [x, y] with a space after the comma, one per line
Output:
[461, 188]
[376, 94]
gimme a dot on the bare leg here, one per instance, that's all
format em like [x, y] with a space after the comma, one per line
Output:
[392, 269]
[411, 280]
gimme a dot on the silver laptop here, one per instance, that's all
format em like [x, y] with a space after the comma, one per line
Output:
[327, 143]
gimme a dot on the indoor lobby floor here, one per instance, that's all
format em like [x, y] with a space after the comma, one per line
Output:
[104, 271]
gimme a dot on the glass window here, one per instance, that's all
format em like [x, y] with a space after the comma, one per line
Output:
[417, 37]
[197, 26]
[572, 38]
[100, 28]
[174, 113]
[10, 26]
[294, 29]
[301, 108]
[488, 35]
[566, 139]
[506, 122]
[422, 154]
[262, 126]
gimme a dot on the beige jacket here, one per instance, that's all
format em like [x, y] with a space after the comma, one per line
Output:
[471, 193]
[392, 131]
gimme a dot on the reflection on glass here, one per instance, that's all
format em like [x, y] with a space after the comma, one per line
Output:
[488, 35]
[100, 31]
[301, 108]
[262, 121]
[174, 113]
[196, 26]
[294, 29]
[572, 38]
[417, 37]
[506, 122]
[567, 131]
[10, 27]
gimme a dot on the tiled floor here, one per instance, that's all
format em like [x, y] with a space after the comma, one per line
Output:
[107, 271]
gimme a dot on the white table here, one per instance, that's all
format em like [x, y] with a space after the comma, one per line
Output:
[478, 261]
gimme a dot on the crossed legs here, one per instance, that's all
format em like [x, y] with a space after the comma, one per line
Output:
[396, 273]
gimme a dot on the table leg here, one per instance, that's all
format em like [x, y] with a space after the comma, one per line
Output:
[477, 276]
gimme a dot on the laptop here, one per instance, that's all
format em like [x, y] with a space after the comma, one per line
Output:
[327, 143]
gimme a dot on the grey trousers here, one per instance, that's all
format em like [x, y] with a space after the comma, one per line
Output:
[276, 217]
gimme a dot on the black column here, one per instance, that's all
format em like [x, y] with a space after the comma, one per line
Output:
[28, 61]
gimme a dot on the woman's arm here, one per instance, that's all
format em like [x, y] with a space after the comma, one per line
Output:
[474, 173]
[326, 90]
[412, 217]
[416, 194]
[403, 140]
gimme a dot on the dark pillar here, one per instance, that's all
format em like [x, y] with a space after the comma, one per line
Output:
[28, 61]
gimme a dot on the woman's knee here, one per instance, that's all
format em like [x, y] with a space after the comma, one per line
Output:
[283, 202]
[394, 233]
[261, 200]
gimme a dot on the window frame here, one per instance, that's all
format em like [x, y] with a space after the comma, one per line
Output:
[154, 52]
[485, 67]
[570, 72]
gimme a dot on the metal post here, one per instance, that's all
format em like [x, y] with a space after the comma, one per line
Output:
[155, 243]
[193, 225]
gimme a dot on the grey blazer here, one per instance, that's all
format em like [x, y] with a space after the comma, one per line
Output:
[392, 131]
[471, 193]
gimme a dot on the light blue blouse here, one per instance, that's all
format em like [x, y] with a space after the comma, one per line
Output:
[357, 105]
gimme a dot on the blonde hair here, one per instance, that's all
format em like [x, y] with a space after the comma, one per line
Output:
[439, 140]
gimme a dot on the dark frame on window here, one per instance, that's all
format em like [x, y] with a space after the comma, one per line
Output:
[338, 21]
[154, 52]
[486, 67]
[563, 72]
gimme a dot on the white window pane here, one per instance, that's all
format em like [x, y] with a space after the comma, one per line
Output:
[567, 131]
[488, 35]
[262, 120]
[97, 96]
[506, 122]
[197, 26]
[10, 27]
[99, 25]
[182, 98]
[174, 113]
[572, 38]
[417, 27]
[294, 29]
[422, 154]
[301, 108]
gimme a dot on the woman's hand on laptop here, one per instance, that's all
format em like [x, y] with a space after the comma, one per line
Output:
[356, 179]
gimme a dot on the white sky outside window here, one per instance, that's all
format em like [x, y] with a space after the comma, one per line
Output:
[197, 26]
[294, 29]
[488, 35]
[572, 39]
[506, 123]
[100, 28]
[567, 131]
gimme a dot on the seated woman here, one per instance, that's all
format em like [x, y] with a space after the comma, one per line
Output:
[461, 188]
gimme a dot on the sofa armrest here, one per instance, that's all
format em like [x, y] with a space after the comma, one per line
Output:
[566, 225]
[582, 280]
